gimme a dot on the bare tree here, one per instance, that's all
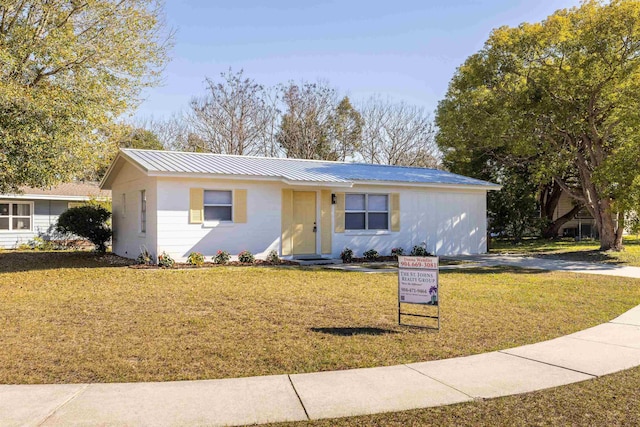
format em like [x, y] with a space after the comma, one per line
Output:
[236, 116]
[397, 134]
[305, 127]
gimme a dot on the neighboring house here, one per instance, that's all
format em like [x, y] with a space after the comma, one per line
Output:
[32, 212]
[582, 226]
[186, 202]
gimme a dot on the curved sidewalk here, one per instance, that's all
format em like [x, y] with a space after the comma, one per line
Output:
[597, 351]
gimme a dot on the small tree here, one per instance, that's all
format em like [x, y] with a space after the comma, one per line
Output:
[87, 221]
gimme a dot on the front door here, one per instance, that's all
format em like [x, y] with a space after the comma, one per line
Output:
[304, 223]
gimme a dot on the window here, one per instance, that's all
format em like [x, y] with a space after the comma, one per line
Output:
[366, 212]
[124, 205]
[16, 215]
[143, 211]
[218, 205]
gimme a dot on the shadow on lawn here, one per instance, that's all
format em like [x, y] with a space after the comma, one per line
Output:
[586, 256]
[347, 332]
[13, 261]
[498, 269]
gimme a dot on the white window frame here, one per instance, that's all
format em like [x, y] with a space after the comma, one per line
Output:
[204, 206]
[143, 211]
[366, 212]
[11, 216]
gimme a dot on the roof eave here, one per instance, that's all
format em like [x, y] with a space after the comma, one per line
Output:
[455, 186]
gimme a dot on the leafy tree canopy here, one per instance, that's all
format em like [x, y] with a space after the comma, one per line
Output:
[68, 69]
[561, 98]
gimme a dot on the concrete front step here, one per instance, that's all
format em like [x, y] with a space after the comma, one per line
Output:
[318, 261]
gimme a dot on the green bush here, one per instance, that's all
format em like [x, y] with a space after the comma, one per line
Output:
[165, 260]
[246, 257]
[195, 258]
[89, 222]
[273, 257]
[371, 254]
[222, 257]
[420, 251]
[346, 255]
[145, 257]
[396, 252]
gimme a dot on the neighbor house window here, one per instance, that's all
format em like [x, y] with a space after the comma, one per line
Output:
[124, 205]
[143, 211]
[218, 205]
[16, 216]
[366, 212]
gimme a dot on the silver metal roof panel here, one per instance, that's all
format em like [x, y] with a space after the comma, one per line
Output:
[295, 170]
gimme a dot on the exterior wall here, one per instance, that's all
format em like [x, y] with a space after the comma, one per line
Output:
[45, 214]
[446, 221]
[128, 240]
[260, 234]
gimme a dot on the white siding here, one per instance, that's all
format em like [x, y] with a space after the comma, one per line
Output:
[447, 222]
[260, 234]
[128, 241]
[45, 214]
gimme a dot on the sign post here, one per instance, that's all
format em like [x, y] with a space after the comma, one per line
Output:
[418, 284]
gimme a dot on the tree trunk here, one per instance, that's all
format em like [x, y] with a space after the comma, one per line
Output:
[551, 231]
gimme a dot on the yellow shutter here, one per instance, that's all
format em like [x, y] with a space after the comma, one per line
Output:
[325, 221]
[395, 211]
[287, 220]
[339, 213]
[196, 205]
[240, 206]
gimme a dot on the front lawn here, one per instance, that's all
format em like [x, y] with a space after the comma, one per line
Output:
[95, 321]
[586, 250]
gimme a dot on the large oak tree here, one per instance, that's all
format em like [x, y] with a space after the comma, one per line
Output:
[68, 69]
[561, 97]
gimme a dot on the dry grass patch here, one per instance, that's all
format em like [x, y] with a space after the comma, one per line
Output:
[98, 323]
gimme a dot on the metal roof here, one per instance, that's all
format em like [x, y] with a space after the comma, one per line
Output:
[293, 170]
[79, 190]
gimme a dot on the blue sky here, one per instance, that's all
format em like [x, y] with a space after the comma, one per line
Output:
[403, 49]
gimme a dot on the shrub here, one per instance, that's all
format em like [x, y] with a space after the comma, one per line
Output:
[273, 257]
[371, 254]
[246, 257]
[89, 222]
[145, 257]
[165, 260]
[396, 252]
[195, 258]
[420, 251]
[222, 257]
[40, 244]
[346, 255]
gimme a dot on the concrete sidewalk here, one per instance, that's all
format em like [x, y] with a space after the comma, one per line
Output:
[597, 351]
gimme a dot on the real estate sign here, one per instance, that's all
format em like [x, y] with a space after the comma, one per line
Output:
[418, 280]
[417, 284]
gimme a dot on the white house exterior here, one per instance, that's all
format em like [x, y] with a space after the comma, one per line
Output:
[180, 203]
[32, 212]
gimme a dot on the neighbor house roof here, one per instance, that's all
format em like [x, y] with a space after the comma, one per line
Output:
[66, 191]
[292, 171]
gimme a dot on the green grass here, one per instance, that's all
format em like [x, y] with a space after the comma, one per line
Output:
[586, 250]
[612, 400]
[75, 317]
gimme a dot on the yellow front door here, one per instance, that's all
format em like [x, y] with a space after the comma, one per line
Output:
[304, 223]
